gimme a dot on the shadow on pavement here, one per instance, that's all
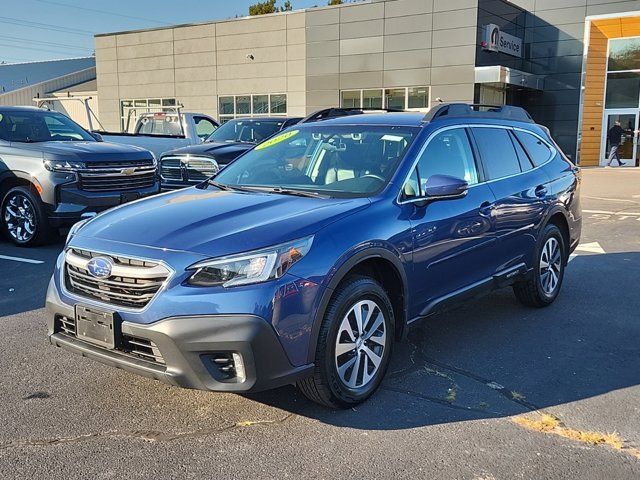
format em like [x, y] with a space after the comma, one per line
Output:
[23, 286]
[493, 357]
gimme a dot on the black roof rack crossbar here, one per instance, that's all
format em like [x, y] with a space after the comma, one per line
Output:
[506, 112]
[336, 112]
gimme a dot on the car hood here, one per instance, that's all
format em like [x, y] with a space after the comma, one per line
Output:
[213, 223]
[214, 149]
[87, 151]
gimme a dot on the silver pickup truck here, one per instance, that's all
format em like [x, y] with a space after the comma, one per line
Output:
[161, 132]
[54, 173]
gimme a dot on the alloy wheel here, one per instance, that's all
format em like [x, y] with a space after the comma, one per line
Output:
[360, 344]
[20, 217]
[550, 265]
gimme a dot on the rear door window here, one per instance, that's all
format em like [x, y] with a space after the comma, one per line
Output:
[538, 151]
[498, 154]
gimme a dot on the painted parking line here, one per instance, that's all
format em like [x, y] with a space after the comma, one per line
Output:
[19, 259]
[592, 248]
[607, 212]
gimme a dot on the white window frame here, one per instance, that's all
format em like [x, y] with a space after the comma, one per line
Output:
[224, 117]
[384, 97]
[144, 109]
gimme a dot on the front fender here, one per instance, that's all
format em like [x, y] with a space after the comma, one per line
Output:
[344, 265]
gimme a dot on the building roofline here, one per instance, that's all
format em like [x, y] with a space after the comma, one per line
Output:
[10, 92]
[224, 20]
[46, 61]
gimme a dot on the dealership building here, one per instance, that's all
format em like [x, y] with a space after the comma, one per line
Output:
[574, 64]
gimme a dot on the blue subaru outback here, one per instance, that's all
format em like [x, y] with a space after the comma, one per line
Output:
[307, 257]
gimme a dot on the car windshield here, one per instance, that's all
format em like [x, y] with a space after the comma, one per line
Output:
[337, 161]
[246, 131]
[40, 126]
[31, 126]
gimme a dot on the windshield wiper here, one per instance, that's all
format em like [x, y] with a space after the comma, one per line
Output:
[289, 191]
[221, 186]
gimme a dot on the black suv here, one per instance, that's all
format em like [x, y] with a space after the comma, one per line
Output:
[53, 173]
[191, 165]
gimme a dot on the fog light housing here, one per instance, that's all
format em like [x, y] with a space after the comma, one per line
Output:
[227, 367]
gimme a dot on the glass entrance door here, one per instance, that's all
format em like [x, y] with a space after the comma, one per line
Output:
[629, 144]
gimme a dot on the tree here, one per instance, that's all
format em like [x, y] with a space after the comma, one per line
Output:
[269, 6]
[335, 2]
[262, 8]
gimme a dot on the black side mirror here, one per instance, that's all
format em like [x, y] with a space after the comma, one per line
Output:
[97, 136]
[444, 187]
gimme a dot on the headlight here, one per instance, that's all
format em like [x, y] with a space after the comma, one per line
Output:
[252, 267]
[63, 166]
[74, 229]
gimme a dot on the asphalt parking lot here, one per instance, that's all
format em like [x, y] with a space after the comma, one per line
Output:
[492, 390]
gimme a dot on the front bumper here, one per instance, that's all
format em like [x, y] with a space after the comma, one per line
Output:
[71, 203]
[188, 345]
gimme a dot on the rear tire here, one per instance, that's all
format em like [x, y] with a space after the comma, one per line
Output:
[543, 287]
[353, 349]
[23, 218]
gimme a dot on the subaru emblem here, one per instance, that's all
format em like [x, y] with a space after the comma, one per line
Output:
[100, 267]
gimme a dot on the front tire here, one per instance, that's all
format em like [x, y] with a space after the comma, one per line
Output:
[354, 345]
[543, 287]
[23, 218]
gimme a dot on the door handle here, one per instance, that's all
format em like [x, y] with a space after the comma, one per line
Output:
[486, 208]
[541, 191]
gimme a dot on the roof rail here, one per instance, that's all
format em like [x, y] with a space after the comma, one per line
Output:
[506, 112]
[336, 112]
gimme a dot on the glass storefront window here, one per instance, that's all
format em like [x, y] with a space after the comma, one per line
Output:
[623, 90]
[278, 103]
[260, 104]
[624, 54]
[418, 97]
[226, 105]
[350, 99]
[395, 98]
[243, 105]
[372, 98]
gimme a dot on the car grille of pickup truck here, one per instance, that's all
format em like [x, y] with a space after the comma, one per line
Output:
[132, 283]
[116, 176]
[189, 169]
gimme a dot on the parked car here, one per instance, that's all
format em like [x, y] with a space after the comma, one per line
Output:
[53, 173]
[191, 165]
[161, 132]
[305, 259]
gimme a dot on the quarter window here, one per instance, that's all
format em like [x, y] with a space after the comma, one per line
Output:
[538, 151]
[525, 162]
[448, 153]
[498, 154]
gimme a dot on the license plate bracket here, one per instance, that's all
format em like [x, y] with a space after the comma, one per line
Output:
[96, 326]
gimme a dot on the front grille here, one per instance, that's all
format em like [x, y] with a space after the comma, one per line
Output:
[66, 325]
[171, 169]
[117, 176]
[143, 348]
[132, 283]
[134, 346]
[189, 169]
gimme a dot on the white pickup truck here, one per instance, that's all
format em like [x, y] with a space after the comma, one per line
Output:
[161, 132]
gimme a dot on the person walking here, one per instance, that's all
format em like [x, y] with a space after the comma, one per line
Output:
[615, 139]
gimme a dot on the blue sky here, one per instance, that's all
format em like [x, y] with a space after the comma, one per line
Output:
[48, 29]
